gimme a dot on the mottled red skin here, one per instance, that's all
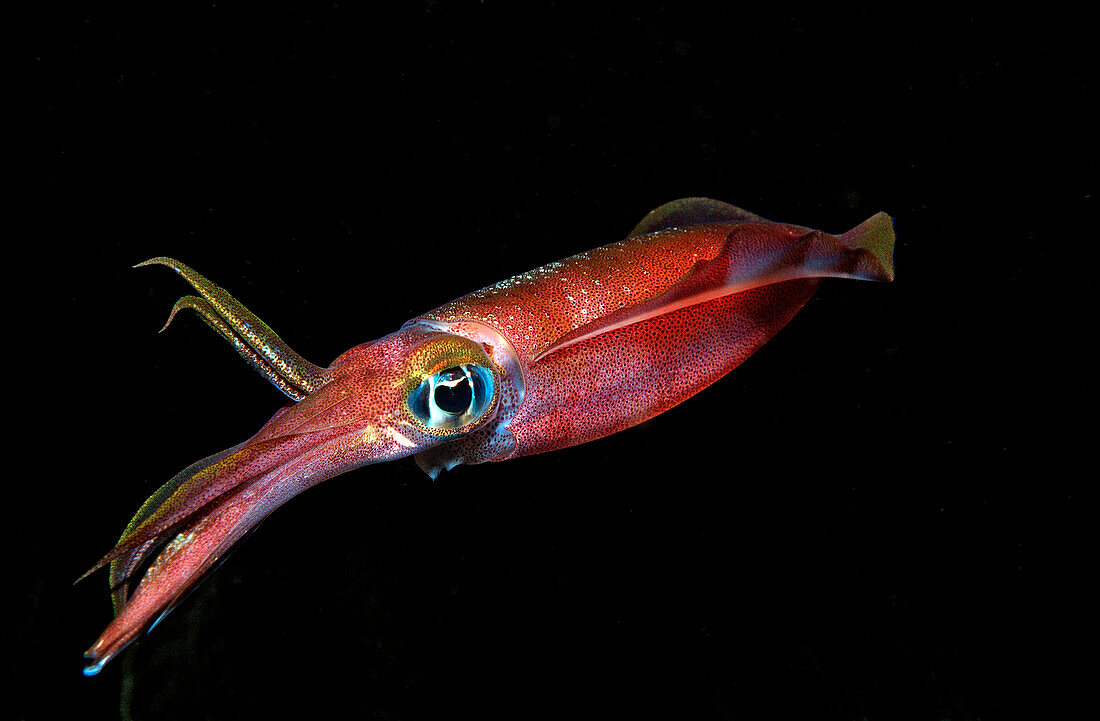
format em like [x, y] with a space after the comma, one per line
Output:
[624, 377]
[550, 394]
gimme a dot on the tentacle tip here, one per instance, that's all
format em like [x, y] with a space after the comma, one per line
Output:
[96, 662]
[87, 573]
[186, 301]
[159, 260]
[93, 669]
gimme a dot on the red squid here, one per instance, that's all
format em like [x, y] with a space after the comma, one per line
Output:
[560, 355]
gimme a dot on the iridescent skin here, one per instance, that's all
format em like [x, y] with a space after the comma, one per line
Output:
[574, 350]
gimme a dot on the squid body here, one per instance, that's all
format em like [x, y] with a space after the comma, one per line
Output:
[560, 355]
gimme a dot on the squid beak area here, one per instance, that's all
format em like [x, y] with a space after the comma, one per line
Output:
[198, 516]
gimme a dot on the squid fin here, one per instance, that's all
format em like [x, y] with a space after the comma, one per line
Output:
[875, 236]
[756, 254]
[687, 212]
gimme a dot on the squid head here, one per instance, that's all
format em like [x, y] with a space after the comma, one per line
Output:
[398, 396]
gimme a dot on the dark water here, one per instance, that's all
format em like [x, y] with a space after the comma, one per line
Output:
[877, 517]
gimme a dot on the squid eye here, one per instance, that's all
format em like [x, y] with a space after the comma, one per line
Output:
[453, 398]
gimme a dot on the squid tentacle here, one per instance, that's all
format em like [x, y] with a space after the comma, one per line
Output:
[210, 315]
[248, 328]
[186, 494]
[124, 564]
[201, 484]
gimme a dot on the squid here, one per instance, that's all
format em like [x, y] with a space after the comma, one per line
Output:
[561, 355]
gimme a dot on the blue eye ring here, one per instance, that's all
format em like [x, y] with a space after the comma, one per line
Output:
[454, 398]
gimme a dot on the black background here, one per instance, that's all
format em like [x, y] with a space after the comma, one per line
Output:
[878, 516]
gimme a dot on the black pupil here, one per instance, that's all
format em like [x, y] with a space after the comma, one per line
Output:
[453, 393]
